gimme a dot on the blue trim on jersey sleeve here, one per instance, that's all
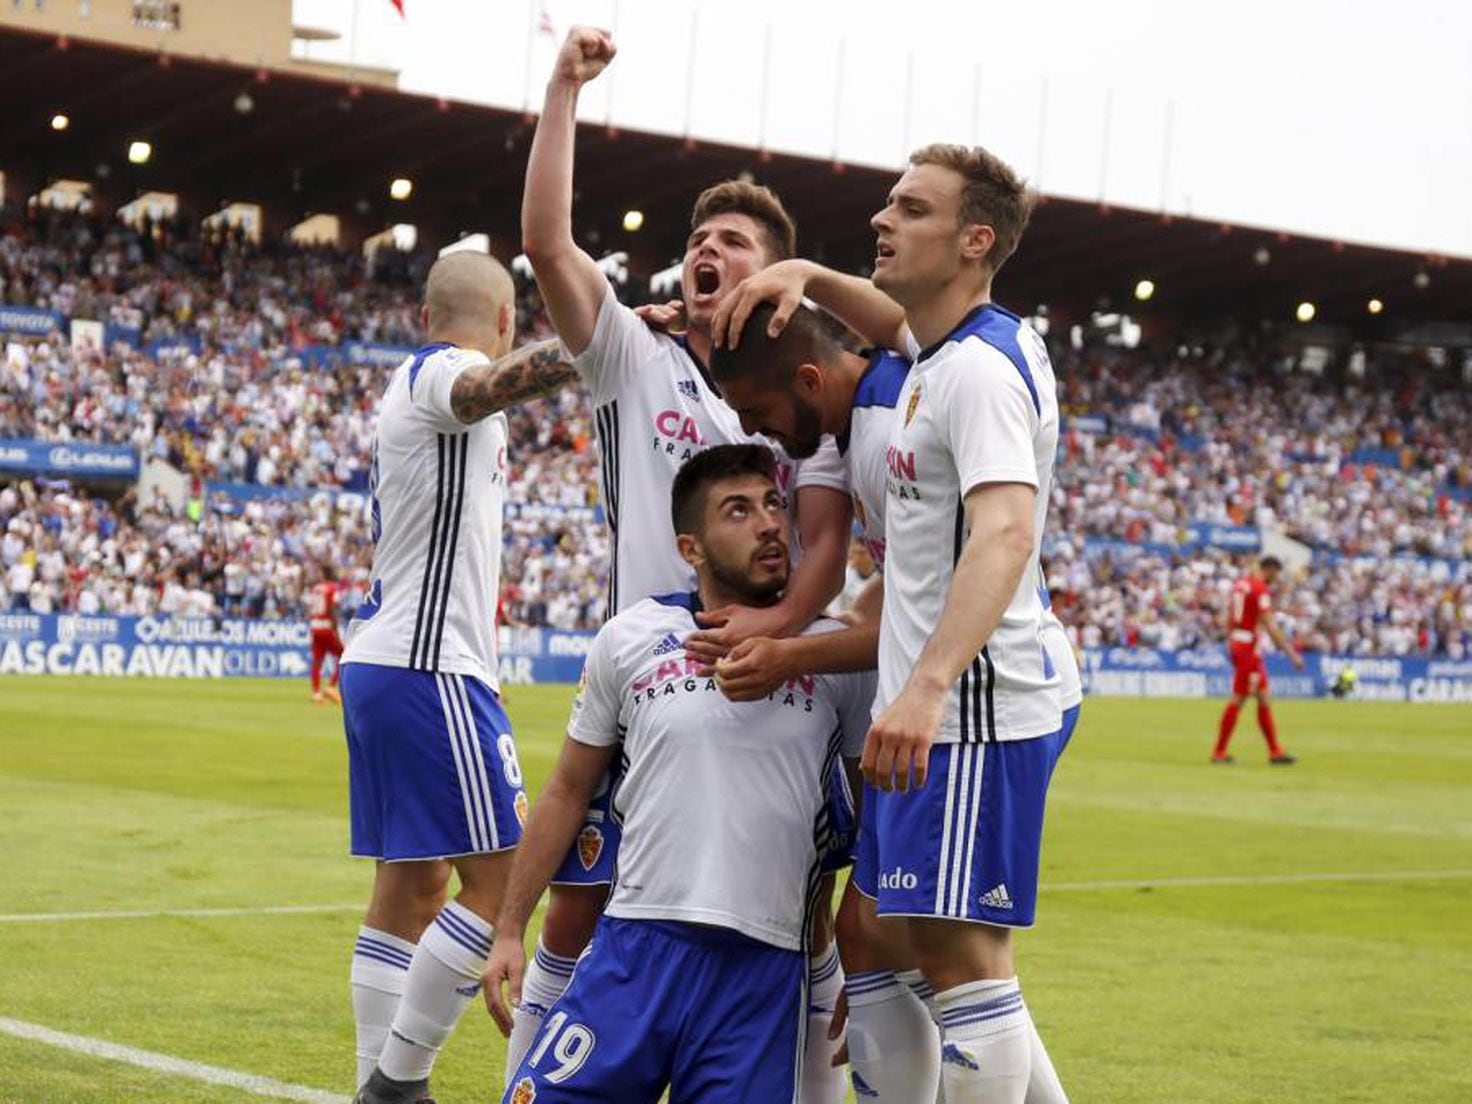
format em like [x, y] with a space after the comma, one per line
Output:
[997, 327]
[882, 381]
[421, 354]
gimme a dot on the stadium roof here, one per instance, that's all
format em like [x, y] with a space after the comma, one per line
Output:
[313, 145]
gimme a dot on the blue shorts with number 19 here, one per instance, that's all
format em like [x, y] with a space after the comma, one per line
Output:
[714, 1016]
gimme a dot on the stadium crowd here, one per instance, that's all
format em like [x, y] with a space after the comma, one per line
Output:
[1366, 472]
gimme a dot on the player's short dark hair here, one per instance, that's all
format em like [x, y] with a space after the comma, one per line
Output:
[757, 202]
[992, 195]
[694, 479]
[1270, 563]
[809, 338]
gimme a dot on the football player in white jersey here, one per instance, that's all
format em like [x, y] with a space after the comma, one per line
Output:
[655, 407]
[434, 778]
[968, 718]
[793, 387]
[696, 978]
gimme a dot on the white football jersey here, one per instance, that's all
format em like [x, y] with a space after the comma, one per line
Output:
[864, 446]
[978, 407]
[654, 407]
[438, 487]
[722, 803]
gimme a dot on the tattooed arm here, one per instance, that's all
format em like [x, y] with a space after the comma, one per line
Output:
[532, 372]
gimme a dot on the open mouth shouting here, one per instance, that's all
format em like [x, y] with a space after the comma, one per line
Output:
[707, 281]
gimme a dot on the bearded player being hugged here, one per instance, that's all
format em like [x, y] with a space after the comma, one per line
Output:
[1250, 609]
[433, 773]
[696, 980]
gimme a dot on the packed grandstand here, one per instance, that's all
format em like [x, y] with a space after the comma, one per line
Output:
[1173, 453]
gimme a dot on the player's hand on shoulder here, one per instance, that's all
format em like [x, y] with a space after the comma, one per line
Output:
[507, 965]
[753, 669]
[663, 317]
[585, 53]
[897, 749]
[781, 284]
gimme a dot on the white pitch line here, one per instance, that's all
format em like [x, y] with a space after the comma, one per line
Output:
[1260, 880]
[165, 1063]
[154, 914]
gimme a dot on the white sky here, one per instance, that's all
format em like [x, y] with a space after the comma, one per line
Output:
[1350, 120]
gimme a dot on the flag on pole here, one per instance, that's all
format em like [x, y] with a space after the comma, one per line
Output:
[398, 7]
[544, 23]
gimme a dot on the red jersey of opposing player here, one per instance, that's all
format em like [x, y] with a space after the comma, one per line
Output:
[322, 616]
[1251, 600]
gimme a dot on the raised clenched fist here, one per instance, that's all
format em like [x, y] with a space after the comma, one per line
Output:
[585, 53]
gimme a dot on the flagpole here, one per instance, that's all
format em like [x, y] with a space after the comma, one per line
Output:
[531, 42]
[613, 71]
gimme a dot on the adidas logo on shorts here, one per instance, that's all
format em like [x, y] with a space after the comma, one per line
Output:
[670, 643]
[997, 897]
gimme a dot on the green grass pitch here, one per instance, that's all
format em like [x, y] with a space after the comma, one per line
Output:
[1181, 954]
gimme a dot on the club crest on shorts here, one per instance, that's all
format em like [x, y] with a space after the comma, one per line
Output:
[590, 846]
[520, 804]
[525, 1092]
[914, 402]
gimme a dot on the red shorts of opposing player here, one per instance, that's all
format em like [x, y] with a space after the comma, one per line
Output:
[325, 642]
[1249, 672]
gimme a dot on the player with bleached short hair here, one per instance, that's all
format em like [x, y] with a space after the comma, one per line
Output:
[435, 783]
[696, 979]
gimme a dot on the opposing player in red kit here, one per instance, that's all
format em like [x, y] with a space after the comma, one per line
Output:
[1251, 609]
[322, 615]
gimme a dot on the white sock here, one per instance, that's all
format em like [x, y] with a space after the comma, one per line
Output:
[546, 979]
[921, 988]
[380, 964]
[986, 1043]
[821, 1083]
[443, 978]
[893, 1048]
[1043, 1084]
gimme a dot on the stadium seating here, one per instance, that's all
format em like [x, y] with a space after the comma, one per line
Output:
[1372, 474]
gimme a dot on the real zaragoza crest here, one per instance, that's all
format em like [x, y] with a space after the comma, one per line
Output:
[590, 846]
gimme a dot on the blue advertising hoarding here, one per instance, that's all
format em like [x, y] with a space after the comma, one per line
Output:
[32, 321]
[174, 647]
[69, 458]
[225, 647]
[1152, 673]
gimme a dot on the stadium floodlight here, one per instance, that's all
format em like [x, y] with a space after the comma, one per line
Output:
[1374, 306]
[1305, 312]
[1262, 256]
[401, 188]
[1421, 280]
[245, 103]
[139, 152]
[60, 121]
[1144, 290]
[633, 220]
